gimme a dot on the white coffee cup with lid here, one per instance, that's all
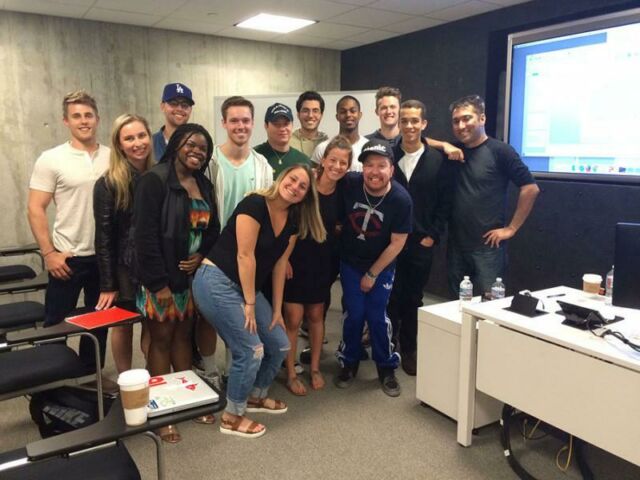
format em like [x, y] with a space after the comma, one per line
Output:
[591, 283]
[134, 394]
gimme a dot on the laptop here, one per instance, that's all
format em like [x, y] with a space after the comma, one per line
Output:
[178, 391]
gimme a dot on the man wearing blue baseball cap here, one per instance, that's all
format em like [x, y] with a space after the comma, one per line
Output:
[278, 122]
[177, 102]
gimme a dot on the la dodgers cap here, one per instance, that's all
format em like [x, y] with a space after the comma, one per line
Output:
[278, 110]
[377, 146]
[175, 90]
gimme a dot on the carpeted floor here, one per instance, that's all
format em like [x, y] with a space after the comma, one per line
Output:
[358, 433]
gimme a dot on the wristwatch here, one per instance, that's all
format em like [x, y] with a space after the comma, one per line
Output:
[371, 275]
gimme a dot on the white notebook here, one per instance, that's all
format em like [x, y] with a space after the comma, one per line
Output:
[178, 391]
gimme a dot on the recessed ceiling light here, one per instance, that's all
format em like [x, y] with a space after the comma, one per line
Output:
[275, 23]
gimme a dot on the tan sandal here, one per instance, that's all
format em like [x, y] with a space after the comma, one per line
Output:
[296, 387]
[205, 419]
[233, 427]
[317, 380]
[267, 405]
[169, 434]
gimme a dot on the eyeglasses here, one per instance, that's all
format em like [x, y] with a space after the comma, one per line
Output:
[179, 103]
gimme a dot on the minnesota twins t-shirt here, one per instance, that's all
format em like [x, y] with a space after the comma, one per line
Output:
[368, 221]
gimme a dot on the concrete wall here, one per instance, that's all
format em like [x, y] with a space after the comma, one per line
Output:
[125, 68]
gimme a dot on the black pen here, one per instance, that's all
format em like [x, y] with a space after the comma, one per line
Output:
[556, 295]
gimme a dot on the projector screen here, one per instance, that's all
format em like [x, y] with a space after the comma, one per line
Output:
[573, 98]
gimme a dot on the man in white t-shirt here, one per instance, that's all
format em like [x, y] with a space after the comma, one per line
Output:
[348, 114]
[428, 177]
[66, 174]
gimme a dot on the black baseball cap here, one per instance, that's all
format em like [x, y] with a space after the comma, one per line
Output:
[377, 146]
[278, 110]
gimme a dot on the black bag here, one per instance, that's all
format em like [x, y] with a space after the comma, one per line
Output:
[65, 409]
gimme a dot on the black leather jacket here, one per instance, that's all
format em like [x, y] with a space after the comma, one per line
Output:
[112, 240]
[161, 211]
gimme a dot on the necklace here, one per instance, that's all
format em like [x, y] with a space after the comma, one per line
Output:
[366, 197]
[280, 158]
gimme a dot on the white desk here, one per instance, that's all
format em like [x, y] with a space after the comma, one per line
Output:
[582, 384]
[439, 364]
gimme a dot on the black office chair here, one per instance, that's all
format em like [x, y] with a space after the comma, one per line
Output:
[35, 360]
[11, 273]
[16, 279]
[93, 452]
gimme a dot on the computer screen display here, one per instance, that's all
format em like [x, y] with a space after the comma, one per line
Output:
[572, 103]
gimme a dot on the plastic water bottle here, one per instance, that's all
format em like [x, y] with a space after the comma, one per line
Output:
[466, 291]
[609, 287]
[497, 289]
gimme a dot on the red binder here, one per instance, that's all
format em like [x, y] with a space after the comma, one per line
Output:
[101, 318]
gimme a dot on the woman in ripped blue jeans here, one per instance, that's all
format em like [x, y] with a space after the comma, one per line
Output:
[256, 243]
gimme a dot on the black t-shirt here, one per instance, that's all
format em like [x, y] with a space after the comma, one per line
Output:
[269, 248]
[367, 232]
[377, 135]
[481, 190]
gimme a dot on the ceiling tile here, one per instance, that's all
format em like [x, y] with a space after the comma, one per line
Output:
[226, 12]
[127, 18]
[220, 12]
[342, 45]
[43, 7]
[372, 36]
[246, 34]
[300, 40]
[332, 30]
[184, 25]
[369, 17]
[464, 10]
[413, 25]
[309, 9]
[149, 7]
[415, 7]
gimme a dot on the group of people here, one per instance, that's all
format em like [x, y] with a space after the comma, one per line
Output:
[206, 240]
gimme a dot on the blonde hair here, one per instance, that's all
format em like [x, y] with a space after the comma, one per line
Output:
[119, 173]
[80, 97]
[307, 212]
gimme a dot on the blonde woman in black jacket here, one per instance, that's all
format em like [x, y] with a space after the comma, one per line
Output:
[131, 155]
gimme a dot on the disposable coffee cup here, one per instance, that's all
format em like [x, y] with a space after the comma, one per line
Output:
[591, 283]
[134, 394]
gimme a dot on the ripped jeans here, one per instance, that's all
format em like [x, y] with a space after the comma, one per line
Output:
[255, 358]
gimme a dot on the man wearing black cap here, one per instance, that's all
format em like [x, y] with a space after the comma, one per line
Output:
[177, 102]
[428, 177]
[278, 122]
[376, 221]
